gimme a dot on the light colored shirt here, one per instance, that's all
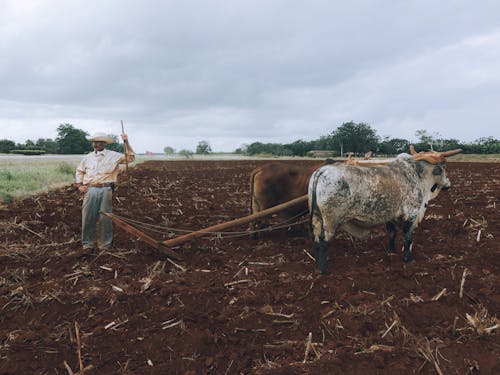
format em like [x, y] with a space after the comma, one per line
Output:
[99, 167]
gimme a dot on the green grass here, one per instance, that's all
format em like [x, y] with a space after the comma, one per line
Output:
[22, 176]
[17, 182]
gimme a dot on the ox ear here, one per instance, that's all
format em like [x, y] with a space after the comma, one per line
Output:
[438, 170]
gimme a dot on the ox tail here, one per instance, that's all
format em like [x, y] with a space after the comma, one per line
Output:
[314, 210]
[253, 201]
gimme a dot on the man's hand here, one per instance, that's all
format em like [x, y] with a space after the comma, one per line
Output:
[82, 188]
[125, 138]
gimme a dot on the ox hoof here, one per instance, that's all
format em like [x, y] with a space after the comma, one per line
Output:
[407, 258]
[322, 272]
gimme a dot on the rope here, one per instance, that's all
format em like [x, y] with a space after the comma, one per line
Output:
[166, 230]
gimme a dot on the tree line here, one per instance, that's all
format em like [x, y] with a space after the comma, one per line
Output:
[357, 138]
[360, 138]
[70, 140]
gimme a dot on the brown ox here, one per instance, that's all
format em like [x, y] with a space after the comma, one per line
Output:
[275, 183]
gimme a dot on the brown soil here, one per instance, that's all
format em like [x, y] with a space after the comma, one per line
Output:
[241, 305]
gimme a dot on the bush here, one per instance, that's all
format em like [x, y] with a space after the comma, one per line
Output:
[28, 152]
[186, 153]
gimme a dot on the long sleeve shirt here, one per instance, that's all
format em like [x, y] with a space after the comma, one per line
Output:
[98, 167]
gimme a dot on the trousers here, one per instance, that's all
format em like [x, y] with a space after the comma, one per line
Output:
[97, 229]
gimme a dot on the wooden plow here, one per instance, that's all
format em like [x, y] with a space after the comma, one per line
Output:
[165, 246]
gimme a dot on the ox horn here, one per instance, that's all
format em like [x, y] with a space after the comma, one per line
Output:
[412, 150]
[451, 152]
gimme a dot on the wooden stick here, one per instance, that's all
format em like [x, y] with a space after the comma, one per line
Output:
[308, 346]
[228, 224]
[125, 149]
[309, 255]
[176, 265]
[389, 329]
[29, 230]
[70, 371]
[462, 282]
[79, 347]
[439, 295]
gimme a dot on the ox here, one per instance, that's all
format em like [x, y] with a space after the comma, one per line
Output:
[275, 183]
[357, 198]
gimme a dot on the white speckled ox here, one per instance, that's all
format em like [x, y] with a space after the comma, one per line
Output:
[358, 198]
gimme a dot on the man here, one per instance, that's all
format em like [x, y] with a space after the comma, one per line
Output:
[96, 177]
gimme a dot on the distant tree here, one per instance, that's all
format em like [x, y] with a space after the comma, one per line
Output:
[168, 150]
[300, 147]
[357, 138]
[266, 148]
[446, 144]
[243, 149]
[186, 153]
[427, 141]
[203, 148]
[29, 145]
[48, 145]
[393, 146]
[6, 146]
[71, 140]
[255, 148]
[488, 145]
[325, 142]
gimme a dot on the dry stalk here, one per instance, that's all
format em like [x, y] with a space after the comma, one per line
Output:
[153, 272]
[29, 230]
[19, 297]
[178, 266]
[375, 347]
[439, 295]
[482, 322]
[174, 324]
[287, 316]
[79, 346]
[237, 282]
[462, 282]
[308, 347]
[430, 355]
[309, 255]
[389, 329]
[70, 371]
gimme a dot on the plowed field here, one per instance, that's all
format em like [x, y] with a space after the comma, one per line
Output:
[234, 305]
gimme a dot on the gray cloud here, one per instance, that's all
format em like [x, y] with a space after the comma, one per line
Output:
[242, 71]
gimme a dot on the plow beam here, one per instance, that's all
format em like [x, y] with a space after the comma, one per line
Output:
[164, 246]
[141, 235]
[228, 224]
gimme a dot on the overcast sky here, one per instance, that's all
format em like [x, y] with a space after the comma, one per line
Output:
[233, 72]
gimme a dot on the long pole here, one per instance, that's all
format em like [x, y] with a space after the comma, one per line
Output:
[126, 160]
[125, 149]
[228, 224]
[162, 246]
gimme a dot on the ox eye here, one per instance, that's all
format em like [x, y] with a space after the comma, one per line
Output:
[437, 170]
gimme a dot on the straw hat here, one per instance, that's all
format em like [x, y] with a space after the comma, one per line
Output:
[101, 137]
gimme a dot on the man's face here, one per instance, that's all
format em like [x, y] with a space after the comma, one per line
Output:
[98, 145]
